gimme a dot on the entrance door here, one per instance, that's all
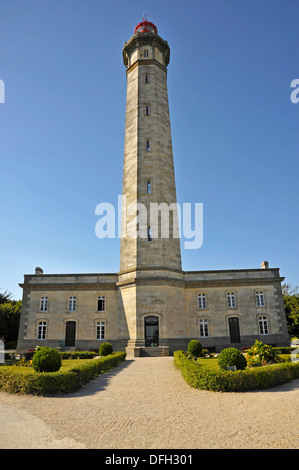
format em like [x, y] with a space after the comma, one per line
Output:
[70, 333]
[234, 330]
[151, 330]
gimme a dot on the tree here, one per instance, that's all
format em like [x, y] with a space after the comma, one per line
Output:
[10, 312]
[5, 297]
[291, 305]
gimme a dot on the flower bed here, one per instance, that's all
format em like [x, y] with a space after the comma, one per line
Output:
[235, 381]
[50, 383]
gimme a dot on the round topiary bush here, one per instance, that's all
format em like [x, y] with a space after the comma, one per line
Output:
[195, 347]
[232, 357]
[46, 360]
[105, 349]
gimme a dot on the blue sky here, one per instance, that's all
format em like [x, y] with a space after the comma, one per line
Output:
[234, 129]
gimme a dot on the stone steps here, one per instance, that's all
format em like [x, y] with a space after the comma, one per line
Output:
[152, 352]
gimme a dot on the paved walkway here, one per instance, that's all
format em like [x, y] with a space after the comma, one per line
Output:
[146, 404]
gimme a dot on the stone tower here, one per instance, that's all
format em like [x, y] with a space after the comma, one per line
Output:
[148, 175]
[150, 253]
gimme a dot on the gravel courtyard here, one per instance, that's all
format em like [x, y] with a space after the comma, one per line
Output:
[146, 404]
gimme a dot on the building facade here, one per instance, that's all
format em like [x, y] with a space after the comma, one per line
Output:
[151, 302]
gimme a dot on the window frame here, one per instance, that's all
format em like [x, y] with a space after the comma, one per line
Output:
[260, 298]
[263, 325]
[231, 299]
[41, 330]
[72, 303]
[101, 298]
[201, 301]
[203, 327]
[145, 54]
[44, 304]
[100, 330]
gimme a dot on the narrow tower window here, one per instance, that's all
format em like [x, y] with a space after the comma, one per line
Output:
[145, 53]
[147, 110]
[147, 145]
[146, 78]
[149, 234]
[148, 187]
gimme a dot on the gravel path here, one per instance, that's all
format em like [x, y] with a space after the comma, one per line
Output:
[146, 404]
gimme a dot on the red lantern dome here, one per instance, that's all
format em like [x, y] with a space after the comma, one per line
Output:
[146, 27]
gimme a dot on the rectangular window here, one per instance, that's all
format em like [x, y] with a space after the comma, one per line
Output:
[44, 304]
[148, 186]
[147, 110]
[101, 304]
[149, 234]
[42, 327]
[72, 304]
[231, 302]
[202, 301]
[203, 327]
[260, 299]
[263, 323]
[146, 78]
[101, 330]
[145, 53]
[147, 145]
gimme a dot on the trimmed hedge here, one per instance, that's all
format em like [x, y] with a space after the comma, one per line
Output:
[50, 383]
[78, 354]
[235, 381]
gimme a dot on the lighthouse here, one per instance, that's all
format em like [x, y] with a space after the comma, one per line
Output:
[150, 257]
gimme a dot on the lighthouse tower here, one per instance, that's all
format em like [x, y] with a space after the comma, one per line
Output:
[148, 174]
[150, 256]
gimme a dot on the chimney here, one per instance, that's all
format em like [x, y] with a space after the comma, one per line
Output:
[38, 271]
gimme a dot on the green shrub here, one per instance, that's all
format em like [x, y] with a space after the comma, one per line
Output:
[261, 353]
[77, 354]
[205, 352]
[46, 360]
[284, 349]
[235, 381]
[50, 383]
[232, 357]
[105, 349]
[195, 347]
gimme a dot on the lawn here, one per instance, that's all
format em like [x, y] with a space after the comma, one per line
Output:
[212, 362]
[208, 362]
[66, 365]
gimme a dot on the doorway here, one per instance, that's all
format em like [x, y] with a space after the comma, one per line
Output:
[70, 333]
[151, 331]
[234, 330]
